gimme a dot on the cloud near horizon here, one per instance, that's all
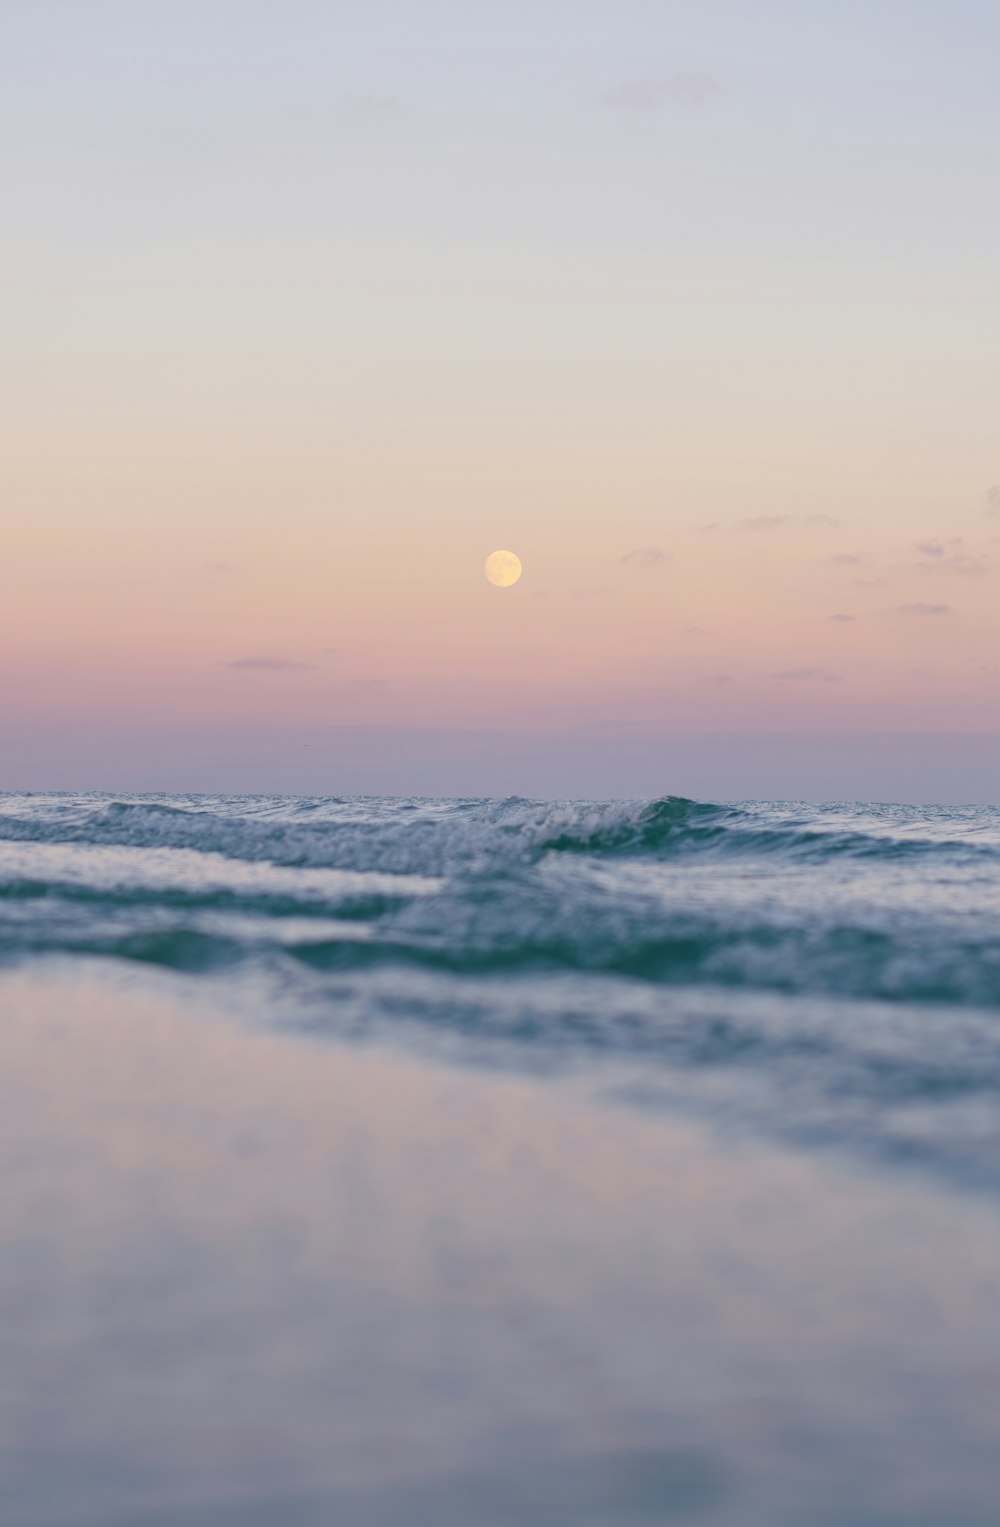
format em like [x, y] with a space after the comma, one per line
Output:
[808, 676]
[269, 664]
[923, 609]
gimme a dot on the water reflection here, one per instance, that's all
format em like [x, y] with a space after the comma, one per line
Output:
[248, 1279]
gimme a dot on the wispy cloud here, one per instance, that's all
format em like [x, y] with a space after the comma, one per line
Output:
[993, 500]
[645, 556]
[778, 521]
[687, 88]
[269, 664]
[765, 522]
[845, 559]
[923, 609]
[951, 556]
[808, 676]
[843, 620]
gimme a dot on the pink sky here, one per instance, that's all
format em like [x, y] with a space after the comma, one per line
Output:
[294, 345]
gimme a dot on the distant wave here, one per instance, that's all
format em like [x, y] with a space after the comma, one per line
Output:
[433, 837]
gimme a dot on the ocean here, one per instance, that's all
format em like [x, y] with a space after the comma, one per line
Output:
[390, 1161]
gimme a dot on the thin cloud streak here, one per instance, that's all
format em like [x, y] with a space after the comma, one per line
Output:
[779, 521]
[269, 665]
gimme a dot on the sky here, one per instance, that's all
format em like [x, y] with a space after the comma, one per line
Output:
[309, 305]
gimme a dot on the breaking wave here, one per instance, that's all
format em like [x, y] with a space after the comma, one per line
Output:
[835, 968]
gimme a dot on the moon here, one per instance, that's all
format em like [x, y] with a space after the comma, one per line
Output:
[502, 568]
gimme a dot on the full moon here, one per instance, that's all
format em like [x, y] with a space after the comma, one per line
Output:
[502, 568]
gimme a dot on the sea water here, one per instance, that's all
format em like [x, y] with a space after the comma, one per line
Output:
[389, 1161]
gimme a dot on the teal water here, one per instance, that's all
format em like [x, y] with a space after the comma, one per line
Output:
[383, 1162]
[835, 971]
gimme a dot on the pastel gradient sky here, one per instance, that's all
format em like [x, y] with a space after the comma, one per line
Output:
[311, 304]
